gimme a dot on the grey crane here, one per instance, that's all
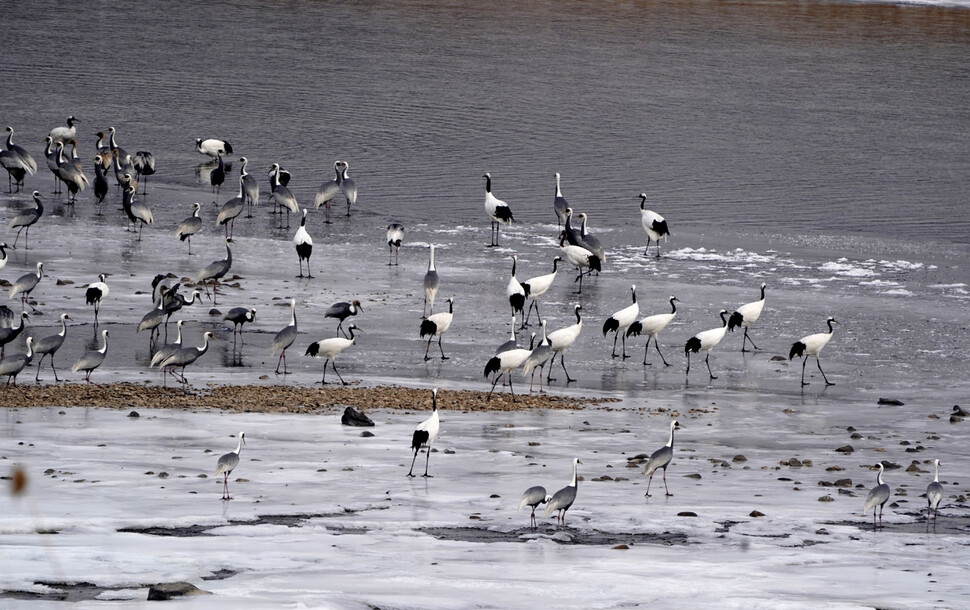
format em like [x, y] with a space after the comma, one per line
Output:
[152, 320]
[424, 435]
[17, 161]
[95, 295]
[9, 332]
[218, 175]
[184, 357]
[227, 463]
[284, 339]
[282, 196]
[878, 496]
[342, 311]
[934, 493]
[190, 226]
[533, 497]
[347, 186]
[169, 348]
[430, 285]
[100, 181]
[70, 175]
[538, 359]
[12, 365]
[330, 349]
[49, 345]
[144, 164]
[215, 271]
[173, 301]
[113, 145]
[395, 236]
[231, 209]
[328, 191]
[660, 459]
[136, 211]
[250, 186]
[25, 284]
[93, 359]
[304, 246]
[26, 219]
[239, 316]
[563, 499]
[590, 241]
[559, 204]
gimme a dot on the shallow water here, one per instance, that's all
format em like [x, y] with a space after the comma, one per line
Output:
[817, 148]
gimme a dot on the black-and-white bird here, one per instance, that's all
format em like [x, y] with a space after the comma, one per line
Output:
[430, 285]
[651, 327]
[395, 236]
[504, 363]
[218, 175]
[215, 271]
[536, 287]
[343, 310]
[330, 349]
[497, 210]
[95, 295]
[579, 257]
[425, 434]
[654, 225]
[284, 339]
[227, 463]
[811, 346]
[706, 340]
[48, 346]
[563, 499]
[190, 226]
[100, 181]
[620, 321]
[878, 496]
[746, 315]
[144, 164]
[92, 360]
[533, 497]
[304, 245]
[25, 284]
[64, 134]
[436, 325]
[559, 204]
[515, 292]
[26, 219]
[184, 357]
[661, 459]
[561, 340]
[239, 316]
[934, 493]
[538, 359]
[3, 254]
[212, 147]
[231, 210]
[12, 365]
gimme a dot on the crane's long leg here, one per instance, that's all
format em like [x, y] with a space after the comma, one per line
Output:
[667, 491]
[804, 362]
[427, 349]
[494, 382]
[615, 336]
[819, 363]
[656, 344]
[708, 361]
[411, 471]
[746, 339]
[333, 365]
[649, 481]
[443, 357]
[625, 356]
[426, 461]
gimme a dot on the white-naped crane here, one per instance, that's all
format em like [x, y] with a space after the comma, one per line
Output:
[812, 345]
[17, 161]
[26, 219]
[706, 340]
[231, 210]
[395, 237]
[190, 226]
[620, 321]
[250, 186]
[436, 325]
[660, 459]
[239, 316]
[347, 186]
[430, 286]
[304, 246]
[9, 332]
[25, 284]
[282, 197]
[561, 340]
[934, 493]
[424, 435]
[516, 293]
[563, 499]
[538, 359]
[877, 497]
[536, 287]
[138, 213]
[285, 339]
[330, 349]
[184, 357]
[651, 327]
[12, 365]
[533, 497]
[343, 310]
[215, 271]
[746, 315]
[654, 225]
[95, 295]
[227, 463]
[590, 241]
[497, 210]
[93, 359]
[328, 191]
[559, 205]
[169, 348]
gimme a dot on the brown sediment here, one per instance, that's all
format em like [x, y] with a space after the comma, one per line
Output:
[275, 398]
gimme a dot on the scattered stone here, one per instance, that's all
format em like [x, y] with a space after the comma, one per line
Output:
[163, 475]
[169, 590]
[621, 547]
[846, 492]
[825, 484]
[843, 483]
[367, 434]
[495, 496]
[215, 312]
[134, 414]
[687, 513]
[855, 436]
[692, 476]
[846, 449]
[61, 282]
[534, 443]
[756, 513]
[475, 517]
[777, 358]
[447, 451]
[794, 463]
[739, 458]
[891, 402]
[821, 532]
[890, 465]
[914, 467]
[353, 417]
[826, 499]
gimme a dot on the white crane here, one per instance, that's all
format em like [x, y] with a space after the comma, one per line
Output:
[330, 349]
[746, 315]
[504, 363]
[706, 340]
[811, 346]
[560, 340]
[497, 210]
[425, 434]
[653, 224]
[435, 325]
[619, 322]
[536, 287]
[651, 327]
[95, 295]
[579, 257]
[395, 236]
[515, 292]
[304, 246]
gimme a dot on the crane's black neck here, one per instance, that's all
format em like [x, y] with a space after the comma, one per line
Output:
[488, 183]
[643, 201]
[673, 305]
[578, 318]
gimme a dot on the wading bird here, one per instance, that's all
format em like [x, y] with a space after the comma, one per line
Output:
[435, 325]
[811, 346]
[651, 327]
[533, 497]
[425, 434]
[497, 210]
[227, 463]
[563, 499]
[661, 459]
[746, 315]
[654, 225]
[878, 496]
[330, 349]
[706, 340]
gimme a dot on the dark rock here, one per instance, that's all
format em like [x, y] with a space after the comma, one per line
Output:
[794, 463]
[134, 414]
[892, 402]
[687, 513]
[739, 458]
[215, 312]
[169, 590]
[778, 359]
[756, 513]
[843, 483]
[367, 434]
[353, 417]
[621, 547]
[845, 449]
[826, 499]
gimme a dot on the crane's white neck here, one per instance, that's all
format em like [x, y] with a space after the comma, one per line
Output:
[670, 442]
[575, 479]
